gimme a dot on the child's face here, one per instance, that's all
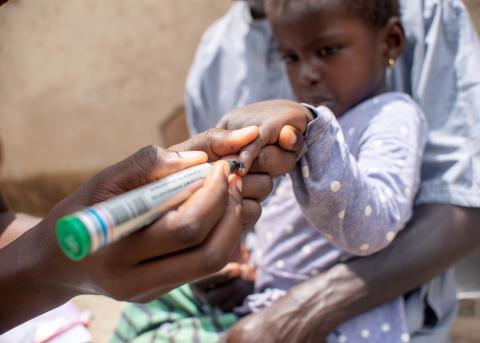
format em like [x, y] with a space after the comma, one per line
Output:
[332, 58]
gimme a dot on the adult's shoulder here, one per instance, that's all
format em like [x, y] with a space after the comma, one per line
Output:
[218, 33]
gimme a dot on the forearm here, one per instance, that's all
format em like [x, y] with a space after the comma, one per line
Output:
[13, 225]
[30, 273]
[365, 283]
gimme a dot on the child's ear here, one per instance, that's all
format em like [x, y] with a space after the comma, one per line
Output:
[394, 40]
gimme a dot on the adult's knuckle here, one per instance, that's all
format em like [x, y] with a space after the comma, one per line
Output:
[263, 159]
[190, 232]
[215, 259]
[251, 213]
[146, 157]
[213, 134]
[219, 192]
[267, 183]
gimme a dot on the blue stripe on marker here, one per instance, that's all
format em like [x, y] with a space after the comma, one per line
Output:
[103, 225]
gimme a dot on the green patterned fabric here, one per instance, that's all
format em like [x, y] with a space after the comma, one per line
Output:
[176, 317]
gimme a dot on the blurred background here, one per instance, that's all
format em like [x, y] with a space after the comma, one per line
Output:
[86, 83]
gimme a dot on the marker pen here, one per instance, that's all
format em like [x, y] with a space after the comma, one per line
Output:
[90, 229]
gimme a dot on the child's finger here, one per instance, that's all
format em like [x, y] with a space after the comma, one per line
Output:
[274, 161]
[291, 139]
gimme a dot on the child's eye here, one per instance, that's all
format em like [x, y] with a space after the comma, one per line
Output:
[328, 50]
[289, 58]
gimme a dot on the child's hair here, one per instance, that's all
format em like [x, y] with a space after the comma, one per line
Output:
[374, 12]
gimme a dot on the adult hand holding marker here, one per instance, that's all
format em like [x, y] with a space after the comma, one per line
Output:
[90, 229]
[192, 241]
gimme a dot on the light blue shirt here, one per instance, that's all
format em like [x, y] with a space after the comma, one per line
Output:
[237, 64]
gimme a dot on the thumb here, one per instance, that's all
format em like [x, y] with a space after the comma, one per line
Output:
[149, 164]
[291, 139]
[217, 143]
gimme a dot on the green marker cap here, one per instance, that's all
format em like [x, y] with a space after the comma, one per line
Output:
[73, 237]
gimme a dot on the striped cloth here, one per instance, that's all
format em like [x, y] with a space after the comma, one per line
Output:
[174, 318]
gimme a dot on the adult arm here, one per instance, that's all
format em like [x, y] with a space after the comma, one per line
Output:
[311, 310]
[37, 276]
[13, 225]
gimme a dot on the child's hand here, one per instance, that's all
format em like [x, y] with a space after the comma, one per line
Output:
[281, 122]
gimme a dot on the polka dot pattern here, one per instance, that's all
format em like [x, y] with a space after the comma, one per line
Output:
[305, 171]
[307, 250]
[365, 247]
[386, 327]
[335, 186]
[390, 236]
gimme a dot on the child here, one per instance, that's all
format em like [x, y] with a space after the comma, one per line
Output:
[355, 185]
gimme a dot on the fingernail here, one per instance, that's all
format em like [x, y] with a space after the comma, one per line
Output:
[239, 184]
[224, 165]
[192, 155]
[246, 131]
[293, 138]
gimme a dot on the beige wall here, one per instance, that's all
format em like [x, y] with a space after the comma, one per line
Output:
[474, 7]
[83, 83]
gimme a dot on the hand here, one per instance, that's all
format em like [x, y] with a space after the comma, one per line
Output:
[280, 121]
[227, 288]
[217, 143]
[292, 318]
[144, 265]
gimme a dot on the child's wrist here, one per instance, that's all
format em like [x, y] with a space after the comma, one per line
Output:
[309, 111]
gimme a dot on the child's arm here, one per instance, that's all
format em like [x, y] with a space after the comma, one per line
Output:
[361, 204]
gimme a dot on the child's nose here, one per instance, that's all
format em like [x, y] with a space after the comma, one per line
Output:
[310, 73]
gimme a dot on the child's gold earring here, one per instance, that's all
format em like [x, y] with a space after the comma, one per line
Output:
[391, 62]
